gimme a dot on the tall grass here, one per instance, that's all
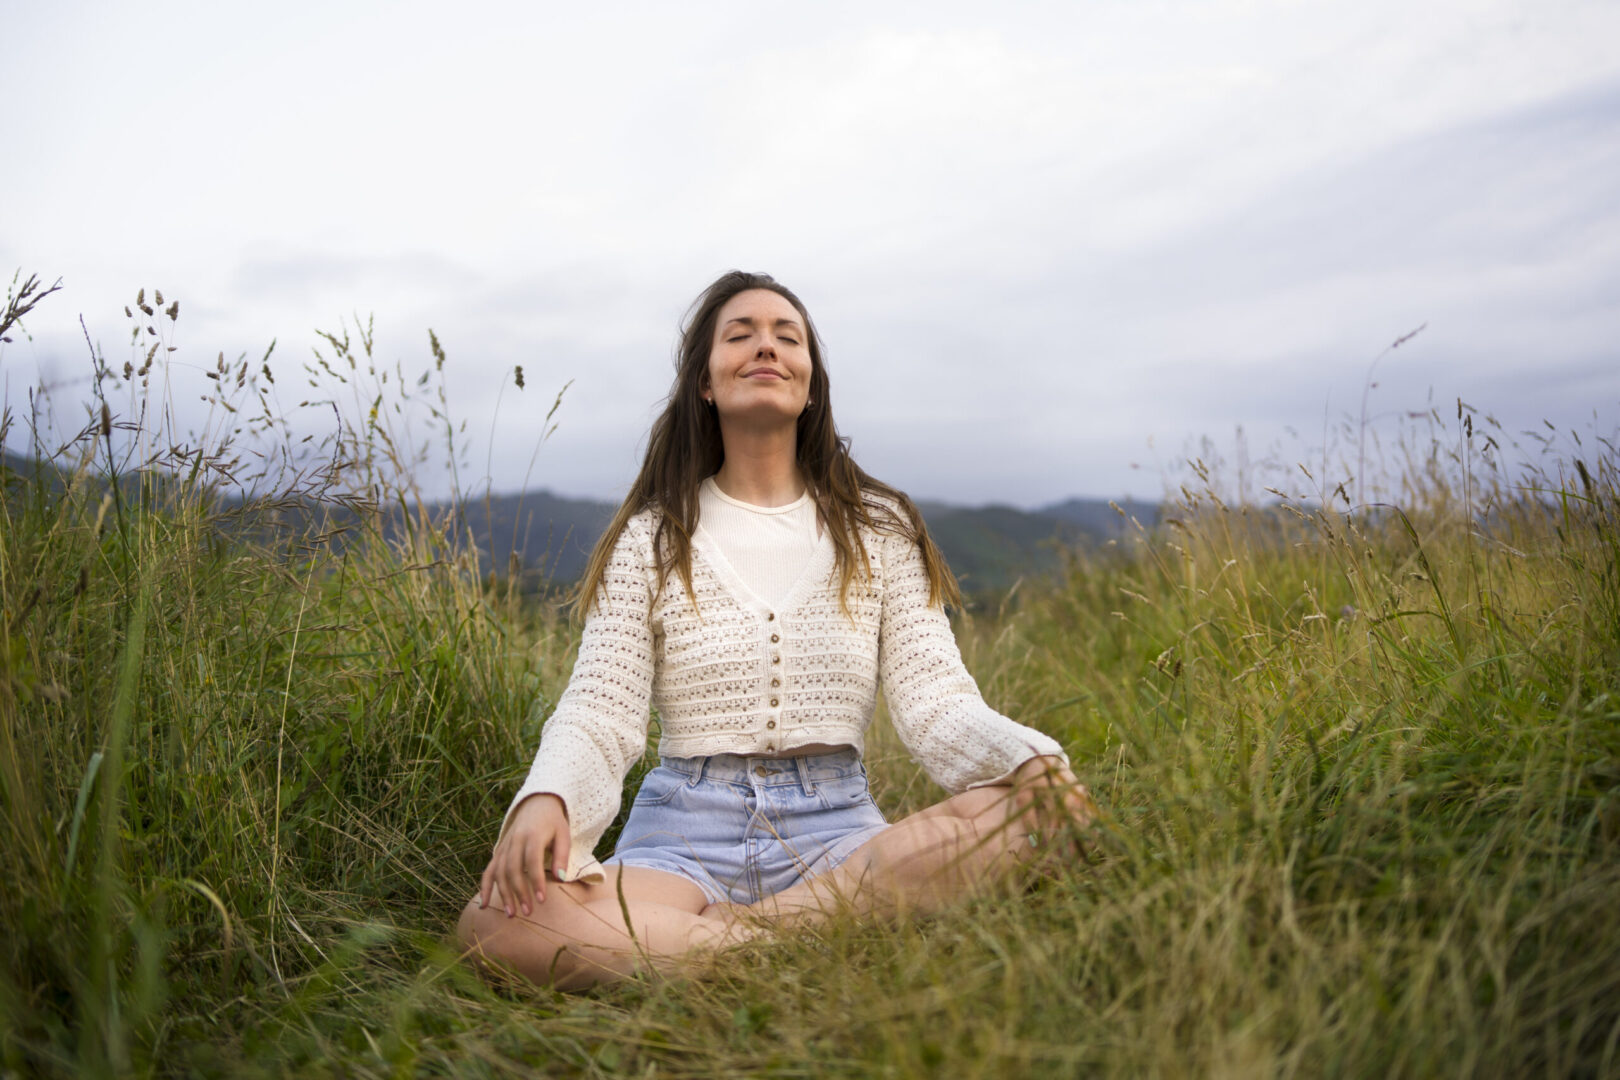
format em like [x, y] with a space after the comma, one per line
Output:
[1361, 764]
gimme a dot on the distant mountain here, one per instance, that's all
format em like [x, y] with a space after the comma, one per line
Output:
[16, 471]
[550, 533]
[1098, 516]
[988, 547]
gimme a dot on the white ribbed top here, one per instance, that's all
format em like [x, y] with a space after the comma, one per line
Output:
[768, 546]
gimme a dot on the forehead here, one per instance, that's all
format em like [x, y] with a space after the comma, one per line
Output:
[760, 305]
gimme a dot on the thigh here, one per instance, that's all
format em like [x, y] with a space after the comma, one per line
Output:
[578, 935]
[577, 913]
[987, 807]
[634, 884]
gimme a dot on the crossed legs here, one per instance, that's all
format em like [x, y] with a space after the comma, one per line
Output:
[921, 864]
[578, 935]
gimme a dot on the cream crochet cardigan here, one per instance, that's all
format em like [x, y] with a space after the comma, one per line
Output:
[735, 675]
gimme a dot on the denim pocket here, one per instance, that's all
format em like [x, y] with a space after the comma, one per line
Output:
[660, 786]
[842, 792]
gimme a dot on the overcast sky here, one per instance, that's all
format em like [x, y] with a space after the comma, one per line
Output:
[1048, 245]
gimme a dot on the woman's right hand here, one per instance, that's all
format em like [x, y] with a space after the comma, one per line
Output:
[518, 867]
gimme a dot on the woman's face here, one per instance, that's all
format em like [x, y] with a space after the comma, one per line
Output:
[759, 362]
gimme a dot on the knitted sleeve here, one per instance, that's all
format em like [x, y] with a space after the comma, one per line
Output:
[599, 727]
[933, 701]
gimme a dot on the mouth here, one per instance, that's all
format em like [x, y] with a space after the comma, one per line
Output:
[764, 373]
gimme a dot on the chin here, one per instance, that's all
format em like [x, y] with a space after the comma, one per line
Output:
[765, 415]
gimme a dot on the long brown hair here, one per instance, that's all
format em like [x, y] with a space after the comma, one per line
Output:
[684, 448]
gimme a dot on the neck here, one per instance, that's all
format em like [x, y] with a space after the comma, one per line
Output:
[761, 467]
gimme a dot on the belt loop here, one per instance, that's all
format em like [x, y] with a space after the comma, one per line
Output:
[702, 765]
[803, 764]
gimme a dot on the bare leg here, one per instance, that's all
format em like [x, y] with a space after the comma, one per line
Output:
[919, 865]
[578, 936]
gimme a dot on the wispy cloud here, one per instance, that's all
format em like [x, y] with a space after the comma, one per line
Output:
[1045, 243]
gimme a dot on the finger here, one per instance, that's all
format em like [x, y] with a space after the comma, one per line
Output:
[485, 882]
[534, 867]
[1060, 778]
[562, 847]
[512, 876]
[523, 885]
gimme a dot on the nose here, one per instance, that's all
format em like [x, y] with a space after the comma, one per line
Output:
[767, 346]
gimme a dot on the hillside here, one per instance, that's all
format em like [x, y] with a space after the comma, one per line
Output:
[988, 547]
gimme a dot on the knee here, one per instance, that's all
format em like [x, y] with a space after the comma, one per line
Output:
[989, 830]
[987, 812]
[479, 933]
[497, 945]
[1001, 816]
[932, 844]
[467, 926]
[978, 804]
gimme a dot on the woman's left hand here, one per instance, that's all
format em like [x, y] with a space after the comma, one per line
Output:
[1056, 805]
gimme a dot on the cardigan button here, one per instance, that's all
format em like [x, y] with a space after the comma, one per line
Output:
[770, 617]
[775, 638]
[776, 658]
[770, 723]
[774, 703]
[776, 682]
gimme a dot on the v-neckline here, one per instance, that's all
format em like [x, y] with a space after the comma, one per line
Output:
[814, 572]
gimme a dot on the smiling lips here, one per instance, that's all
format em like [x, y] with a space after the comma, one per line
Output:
[766, 372]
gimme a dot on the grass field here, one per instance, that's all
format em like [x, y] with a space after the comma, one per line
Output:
[1362, 772]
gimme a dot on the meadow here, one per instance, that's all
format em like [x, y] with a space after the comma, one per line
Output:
[1359, 753]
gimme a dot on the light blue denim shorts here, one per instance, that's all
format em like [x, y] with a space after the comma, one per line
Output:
[743, 828]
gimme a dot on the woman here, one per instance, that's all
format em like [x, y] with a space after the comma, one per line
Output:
[755, 587]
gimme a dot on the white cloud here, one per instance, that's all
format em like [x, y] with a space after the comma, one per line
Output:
[1060, 228]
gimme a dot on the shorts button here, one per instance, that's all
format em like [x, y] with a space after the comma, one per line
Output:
[760, 770]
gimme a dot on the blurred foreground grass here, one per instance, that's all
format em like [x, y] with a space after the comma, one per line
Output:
[1363, 772]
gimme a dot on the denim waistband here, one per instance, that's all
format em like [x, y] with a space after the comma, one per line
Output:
[803, 769]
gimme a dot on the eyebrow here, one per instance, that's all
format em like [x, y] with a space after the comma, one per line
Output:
[749, 322]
